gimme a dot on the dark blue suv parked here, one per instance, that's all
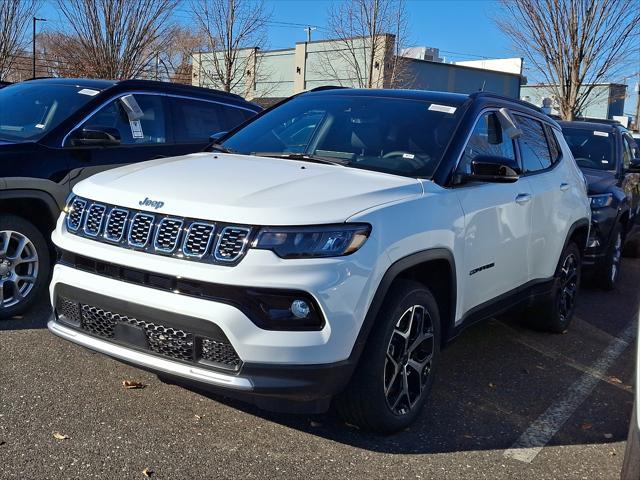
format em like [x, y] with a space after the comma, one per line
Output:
[55, 132]
[608, 155]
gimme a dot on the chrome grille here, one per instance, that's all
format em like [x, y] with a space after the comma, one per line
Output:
[188, 239]
[198, 238]
[231, 243]
[167, 234]
[93, 219]
[74, 218]
[116, 224]
[161, 339]
[140, 229]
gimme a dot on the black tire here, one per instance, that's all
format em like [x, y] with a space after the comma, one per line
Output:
[364, 402]
[18, 291]
[609, 272]
[554, 313]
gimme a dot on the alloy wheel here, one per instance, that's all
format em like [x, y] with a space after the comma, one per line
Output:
[18, 267]
[408, 359]
[568, 286]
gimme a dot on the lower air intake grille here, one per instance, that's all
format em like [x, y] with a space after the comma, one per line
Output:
[162, 340]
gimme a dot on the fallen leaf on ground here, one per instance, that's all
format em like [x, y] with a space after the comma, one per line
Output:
[131, 384]
[466, 435]
[60, 436]
[197, 417]
[147, 472]
[492, 385]
[608, 435]
[615, 380]
[586, 426]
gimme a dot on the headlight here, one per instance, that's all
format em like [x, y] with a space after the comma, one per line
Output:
[601, 201]
[317, 241]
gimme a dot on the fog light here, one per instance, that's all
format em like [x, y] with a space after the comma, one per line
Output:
[300, 309]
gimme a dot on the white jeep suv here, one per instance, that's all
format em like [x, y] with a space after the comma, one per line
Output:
[327, 249]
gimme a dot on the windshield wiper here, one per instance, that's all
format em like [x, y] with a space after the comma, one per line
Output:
[305, 157]
[218, 147]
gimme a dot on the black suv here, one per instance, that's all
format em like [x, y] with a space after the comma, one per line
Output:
[55, 132]
[608, 156]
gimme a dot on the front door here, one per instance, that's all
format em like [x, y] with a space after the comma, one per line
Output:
[497, 221]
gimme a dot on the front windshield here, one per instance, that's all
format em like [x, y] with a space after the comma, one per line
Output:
[30, 110]
[591, 148]
[392, 135]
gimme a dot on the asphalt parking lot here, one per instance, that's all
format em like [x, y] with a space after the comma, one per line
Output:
[508, 403]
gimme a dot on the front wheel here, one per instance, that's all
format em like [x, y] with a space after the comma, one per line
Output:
[24, 265]
[395, 373]
[554, 313]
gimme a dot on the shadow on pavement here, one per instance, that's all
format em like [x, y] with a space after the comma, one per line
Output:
[498, 377]
[37, 317]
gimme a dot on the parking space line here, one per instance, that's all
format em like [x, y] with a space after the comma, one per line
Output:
[523, 339]
[542, 430]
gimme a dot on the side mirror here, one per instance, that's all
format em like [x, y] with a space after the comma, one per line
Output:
[486, 168]
[215, 138]
[634, 166]
[96, 137]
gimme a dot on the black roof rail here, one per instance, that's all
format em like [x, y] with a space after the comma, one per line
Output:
[326, 87]
[506, 99]
[605, 121]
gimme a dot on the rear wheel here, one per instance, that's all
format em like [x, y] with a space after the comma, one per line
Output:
[24, 265]
[395, 373]
[610, 271]
[554, 313]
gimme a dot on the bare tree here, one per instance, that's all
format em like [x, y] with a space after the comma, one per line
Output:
[367, 33]
[15, 16]
[235, 30]
[573, 44]
[57, 52]
[119, 38]
[176, 59]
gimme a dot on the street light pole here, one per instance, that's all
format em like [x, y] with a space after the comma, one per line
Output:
[35, 19]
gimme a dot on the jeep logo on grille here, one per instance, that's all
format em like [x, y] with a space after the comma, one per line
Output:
[147, 202]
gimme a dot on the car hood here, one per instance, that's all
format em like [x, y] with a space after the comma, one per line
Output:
[247, 189]
[599, 181]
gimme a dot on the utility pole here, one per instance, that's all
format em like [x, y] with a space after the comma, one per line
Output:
[35, 19]
[309, 30]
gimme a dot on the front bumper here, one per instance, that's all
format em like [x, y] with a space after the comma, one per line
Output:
[602, 223]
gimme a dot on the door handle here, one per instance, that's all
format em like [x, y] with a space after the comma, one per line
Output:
[564, 186]
[523, 198]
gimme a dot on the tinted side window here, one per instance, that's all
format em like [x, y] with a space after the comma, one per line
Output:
[554, 148]
[534, 148]
[149, 129]
[627, 151]
[487, 138]
[196, 121]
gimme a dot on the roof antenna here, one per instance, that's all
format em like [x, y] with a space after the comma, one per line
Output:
[484, 82]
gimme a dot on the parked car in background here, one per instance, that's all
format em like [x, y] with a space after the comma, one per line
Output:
[608, 157]
[327, 249]
[55, 132]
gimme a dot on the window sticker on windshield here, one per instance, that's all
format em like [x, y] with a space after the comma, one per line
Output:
[442, 108]
[136, 129]
[88, 91]
[39, 125]
[408, 155]
[604, 161]
[600, 134]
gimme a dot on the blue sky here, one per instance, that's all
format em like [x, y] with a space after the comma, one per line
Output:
[461, 29]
